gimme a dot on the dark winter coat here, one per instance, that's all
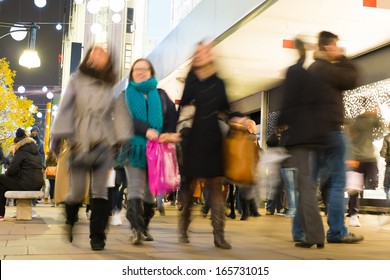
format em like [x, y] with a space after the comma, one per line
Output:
[26, 165]
[169, 116]
[41, 151]
[202, 146]
[140, 127]
[385, 150]
[334, 77]
[304, 110]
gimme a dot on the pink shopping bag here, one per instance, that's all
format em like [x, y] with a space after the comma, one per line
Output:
[163, 170]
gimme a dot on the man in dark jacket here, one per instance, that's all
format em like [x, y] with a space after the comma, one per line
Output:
[41, 152]
[34, 135]
[335, 73]
[25, 171]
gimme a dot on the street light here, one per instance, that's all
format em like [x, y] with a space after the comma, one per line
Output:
[29, 57]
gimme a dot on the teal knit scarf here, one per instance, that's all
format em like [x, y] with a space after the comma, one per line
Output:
[147, 109]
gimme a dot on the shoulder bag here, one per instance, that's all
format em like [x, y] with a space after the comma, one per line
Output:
[241, 155]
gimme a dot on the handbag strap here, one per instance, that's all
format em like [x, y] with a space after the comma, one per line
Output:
[237, 126]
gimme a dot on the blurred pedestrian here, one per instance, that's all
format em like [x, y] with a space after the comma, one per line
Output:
[202, 146]
[154, 116]
[363, 151]
[51, 172]
[304, 127]
[116, 193]
[385, 153]
[335, 73]
[247, 192]
[34, 134]
[85, 118]
[275, 186]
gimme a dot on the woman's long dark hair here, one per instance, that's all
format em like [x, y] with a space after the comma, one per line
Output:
[107, 75]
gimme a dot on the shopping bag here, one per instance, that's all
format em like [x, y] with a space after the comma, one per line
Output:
[163, 170]
[186, 117]
[354, 182]
[241, 155]
[111, 173]
[51, 171]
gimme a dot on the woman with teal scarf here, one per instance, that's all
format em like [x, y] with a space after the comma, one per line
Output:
[154, 116]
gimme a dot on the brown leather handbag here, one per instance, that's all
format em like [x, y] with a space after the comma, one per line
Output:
[241, 155]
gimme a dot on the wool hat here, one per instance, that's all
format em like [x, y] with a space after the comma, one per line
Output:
[20, 132]
[34, 128]
[19, 135]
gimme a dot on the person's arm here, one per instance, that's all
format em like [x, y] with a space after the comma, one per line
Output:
[63, 126]
[15, 164]
[170, 120]
[341, 75]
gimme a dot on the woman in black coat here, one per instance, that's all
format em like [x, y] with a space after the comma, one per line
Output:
[25, 170]
[202, 144]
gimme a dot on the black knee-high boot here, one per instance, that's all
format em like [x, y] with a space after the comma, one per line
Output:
[148, 215]
[71, 211]
[135, 215]
[98, 223]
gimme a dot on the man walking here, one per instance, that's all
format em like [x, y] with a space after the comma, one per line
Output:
[335, 73]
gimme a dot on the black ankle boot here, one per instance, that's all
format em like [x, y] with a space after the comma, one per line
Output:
[304, 244]
[97, 244]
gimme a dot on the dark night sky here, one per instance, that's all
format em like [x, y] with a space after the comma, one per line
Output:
[48, 44]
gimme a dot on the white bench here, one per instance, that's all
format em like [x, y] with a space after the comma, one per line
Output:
[24, 203]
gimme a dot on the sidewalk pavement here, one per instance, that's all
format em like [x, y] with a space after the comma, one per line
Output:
[262, 238]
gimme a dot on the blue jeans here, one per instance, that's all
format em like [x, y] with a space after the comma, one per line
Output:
[333, 158]
[290, 181]
[275, 199]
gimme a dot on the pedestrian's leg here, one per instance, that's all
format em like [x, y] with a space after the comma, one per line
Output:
[101, 206]
[185, 199]
[335, 163]
[136, 185]
[217, 201]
